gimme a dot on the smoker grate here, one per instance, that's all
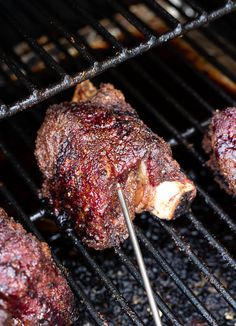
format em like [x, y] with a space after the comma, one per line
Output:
[192, 260]
[28, 25]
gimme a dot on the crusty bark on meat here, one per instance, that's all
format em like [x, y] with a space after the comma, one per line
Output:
[220, 143]
[85, 147]
[32, 289]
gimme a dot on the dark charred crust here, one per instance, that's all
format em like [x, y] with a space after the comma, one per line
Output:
[26, 271]
[220, 143]
[83, 149]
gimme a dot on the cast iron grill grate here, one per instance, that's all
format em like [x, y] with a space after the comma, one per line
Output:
[47, 33]
[191, 261]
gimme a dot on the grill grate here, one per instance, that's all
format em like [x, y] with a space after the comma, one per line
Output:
[21, 21]
[147, 79]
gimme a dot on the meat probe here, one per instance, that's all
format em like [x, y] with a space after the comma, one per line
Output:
[139, 257]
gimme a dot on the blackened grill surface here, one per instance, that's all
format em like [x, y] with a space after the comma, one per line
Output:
[191, 261]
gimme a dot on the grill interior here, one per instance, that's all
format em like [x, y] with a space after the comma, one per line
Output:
[191, 261]
[43, 37]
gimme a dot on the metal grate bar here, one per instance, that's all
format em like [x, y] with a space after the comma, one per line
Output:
[1, 103]
[99, 67]
[76, 287]
[180, 138]
[72, 236]
[166, 267]
[160, 11]
[16, 69]
[48, 60]
[20, 170]
[180, 9]
[166, 95]
[171, 272]
[187, 133]
[129, 37]
[159, 117]
[214, 38]
[213, 86]
[211, 59]
[203, 52]
[168, 71]
[212, 204]
[209, 33]
[63, 223]
[208, 236]
[226, 26]
[198, 263]
[136, 274]
[75, 40]
[21, 133]
[131, 18]
[217, 209]
[22, 65]
[197, 7]
[212, 241]
[97, 26]
[218, 247]
[37, 216]
[76, 242]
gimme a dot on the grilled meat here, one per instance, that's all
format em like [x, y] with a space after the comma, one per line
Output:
[85, 147]
[220, 143]
[32, 289]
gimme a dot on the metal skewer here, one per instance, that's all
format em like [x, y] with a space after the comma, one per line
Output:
[138, 254]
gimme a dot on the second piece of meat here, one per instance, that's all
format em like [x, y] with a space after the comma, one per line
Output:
[32, 288]
[220, 143]
[84, 149]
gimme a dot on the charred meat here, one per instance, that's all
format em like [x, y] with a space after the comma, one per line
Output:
[86, 146]
[32, 289]
[220, 143]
